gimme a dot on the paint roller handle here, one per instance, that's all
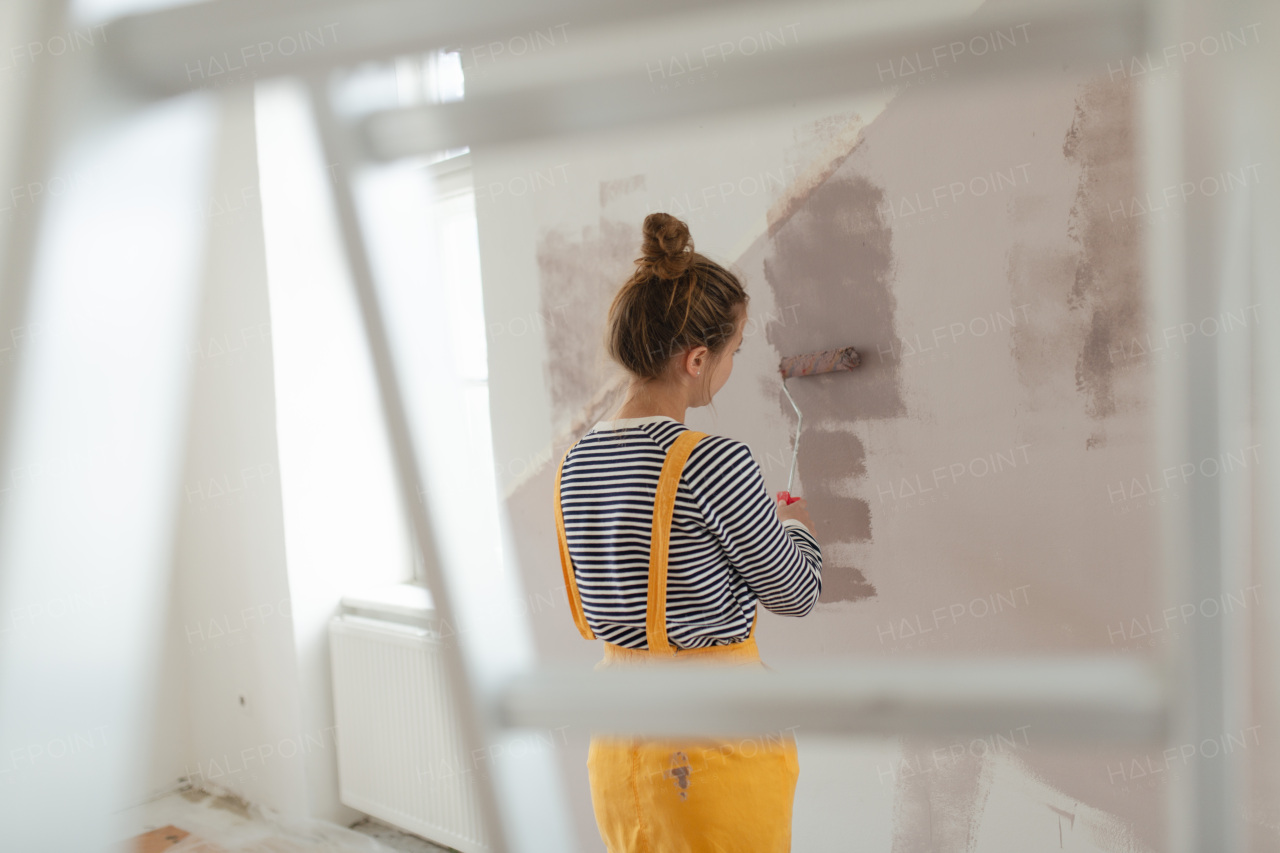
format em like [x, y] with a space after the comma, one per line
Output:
[800, 510]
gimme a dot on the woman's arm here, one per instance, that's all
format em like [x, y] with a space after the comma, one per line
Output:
[781, 564]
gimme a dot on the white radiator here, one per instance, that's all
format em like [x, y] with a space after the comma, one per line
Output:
[400, 759]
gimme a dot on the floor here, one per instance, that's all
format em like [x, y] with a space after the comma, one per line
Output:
[846, 800]
[397, 840]
[194, 821]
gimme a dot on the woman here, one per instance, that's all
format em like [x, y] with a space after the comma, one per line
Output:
[690, 595]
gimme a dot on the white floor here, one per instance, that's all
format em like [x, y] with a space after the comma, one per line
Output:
[228, 824]
[845, 801]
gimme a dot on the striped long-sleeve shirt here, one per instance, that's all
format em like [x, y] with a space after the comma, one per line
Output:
[728, 548]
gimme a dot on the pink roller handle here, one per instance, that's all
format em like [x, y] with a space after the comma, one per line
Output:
[786, 496]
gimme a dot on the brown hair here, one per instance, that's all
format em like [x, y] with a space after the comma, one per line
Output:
[675, 299]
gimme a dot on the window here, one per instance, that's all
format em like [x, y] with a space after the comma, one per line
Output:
[437, 77]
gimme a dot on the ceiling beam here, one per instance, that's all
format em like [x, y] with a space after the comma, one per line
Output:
[847, 57]
[201, 45]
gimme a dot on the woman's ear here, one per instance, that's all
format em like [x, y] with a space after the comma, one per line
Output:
[696, 360]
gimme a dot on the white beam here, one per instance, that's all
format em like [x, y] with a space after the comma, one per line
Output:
[158, 52]
[1062, 699]
[381, 212]
[36, 96]
[1199, 268]
[92, 459]
[414, 497]
[844, 57]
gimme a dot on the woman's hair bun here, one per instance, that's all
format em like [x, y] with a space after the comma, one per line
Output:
[666, 247]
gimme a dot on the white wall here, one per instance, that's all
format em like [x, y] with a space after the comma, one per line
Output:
[233, 642]
[343, 525]
[1058, 552]
[288, 500]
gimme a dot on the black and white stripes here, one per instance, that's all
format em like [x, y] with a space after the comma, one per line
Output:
[728, 549]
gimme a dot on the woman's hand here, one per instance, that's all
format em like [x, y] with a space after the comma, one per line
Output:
[797, 509]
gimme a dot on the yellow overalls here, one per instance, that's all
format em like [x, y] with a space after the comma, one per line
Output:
[726, 795]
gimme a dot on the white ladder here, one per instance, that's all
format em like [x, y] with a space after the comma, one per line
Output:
[1193, 695]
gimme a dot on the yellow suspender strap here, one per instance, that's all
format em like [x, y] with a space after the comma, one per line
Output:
[566, 563]
[664, 504]
[659, 544]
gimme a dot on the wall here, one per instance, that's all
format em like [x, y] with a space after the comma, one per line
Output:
[288, 500]
[231, 654]
[986, 481]
[343, 526]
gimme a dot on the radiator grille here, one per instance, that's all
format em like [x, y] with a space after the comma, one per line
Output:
[400, 758]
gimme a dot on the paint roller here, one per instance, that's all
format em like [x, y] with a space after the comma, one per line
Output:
[811, 364]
